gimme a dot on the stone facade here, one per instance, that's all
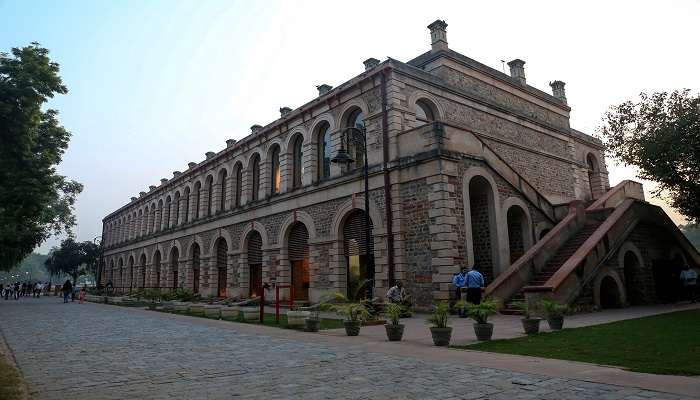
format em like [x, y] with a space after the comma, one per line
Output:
[434, 125]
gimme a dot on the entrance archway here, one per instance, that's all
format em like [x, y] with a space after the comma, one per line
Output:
[195, 267]
[609, 293]
[221, 266]
[633, 286]
[254, 264]
[357, 253]
[483, 225]
[517, 229]
[593, 180]
[174, 260]
[298, 249]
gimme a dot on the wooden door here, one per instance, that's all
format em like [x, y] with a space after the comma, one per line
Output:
[255, 280]
[222, 282]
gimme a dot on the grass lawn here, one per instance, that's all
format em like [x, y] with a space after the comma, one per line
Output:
[661, 344]
[10, 381]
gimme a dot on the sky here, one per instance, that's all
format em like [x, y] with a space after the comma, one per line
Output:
[156, 84]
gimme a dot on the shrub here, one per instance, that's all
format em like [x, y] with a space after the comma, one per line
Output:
[439, 316]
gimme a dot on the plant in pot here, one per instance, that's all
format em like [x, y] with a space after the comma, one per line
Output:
[394, 329]
[354, 313]
[153, 297]
[439, 330]
[312, 323]
[531, 324]
[554, 312]
[480, 313]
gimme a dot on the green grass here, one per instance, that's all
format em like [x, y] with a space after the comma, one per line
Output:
[661, 344]
[11, 386]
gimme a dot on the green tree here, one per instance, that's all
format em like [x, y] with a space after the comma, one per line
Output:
[692, 232]
[35, 201]
[660, 135]
[73, 258]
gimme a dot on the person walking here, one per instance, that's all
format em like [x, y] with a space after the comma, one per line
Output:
[81, 296]
[459, 281]
[689, 280]
[475, 285]
[15, 292]
[67, 289]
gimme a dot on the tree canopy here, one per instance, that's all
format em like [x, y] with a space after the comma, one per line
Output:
[35, 201]
[660, 134]
[73, 258]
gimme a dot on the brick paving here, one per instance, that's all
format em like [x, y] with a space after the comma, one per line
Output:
[111, 352]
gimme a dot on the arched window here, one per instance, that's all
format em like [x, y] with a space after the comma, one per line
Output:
[195, 268]
[176, 218]
[166, 213]
[424, 111]
[223, 177]
[239, 184]
[196, 197]
[356, 119]
[159, 215]
[210, 194]
[187, 205]
[324, 151]
[255, 177]
[297, 161]
[275, 173]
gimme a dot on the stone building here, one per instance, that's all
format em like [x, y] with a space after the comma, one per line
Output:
[466, 165]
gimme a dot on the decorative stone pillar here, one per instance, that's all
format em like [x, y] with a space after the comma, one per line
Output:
[182, 203]
[158, 219]
[203, 201]
[192, 205]
[216, 198]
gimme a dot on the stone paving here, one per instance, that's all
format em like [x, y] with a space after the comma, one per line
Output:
[111, 352]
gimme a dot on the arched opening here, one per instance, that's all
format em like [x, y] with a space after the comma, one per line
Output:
[324, 151]
[254, 264]
[357, 253]
[632, 284]
[223, 177]
[239, 184]
[174, 266]
[195, 268]
[176, 209]
[187, 205]
[517, 229]
[221, 266]
[152, 219]
[254, 177]
[609, 293]
[166, 213]
[131, 272]
[159, 215]
[297, 160]
[298, 250]
[483, 225]
[197, 197]
[209, 185]
[143, 270]
[593, 178]
[667, 283]
[121, 275]
[425, 111]
[139, 227]
[275, 172]
[156, 268]
[355, 118]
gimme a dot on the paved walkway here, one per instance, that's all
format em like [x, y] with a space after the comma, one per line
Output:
[121, 353]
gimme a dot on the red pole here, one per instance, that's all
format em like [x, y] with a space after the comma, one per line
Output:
[277, 304]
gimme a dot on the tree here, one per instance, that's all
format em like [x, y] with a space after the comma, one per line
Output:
[692, 232]
[660, 135]
[73, 258]
[35, 201]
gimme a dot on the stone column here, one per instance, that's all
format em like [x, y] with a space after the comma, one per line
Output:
[181, 211]
[158, 219]
[264, 186]
[246, 183]
[228, 198]
[286, 173]
[187, 275]
[203, 201]
[216, 198]
[243, 274]
[232, 274]
[165, 216]
[307, 161]
[192, 205]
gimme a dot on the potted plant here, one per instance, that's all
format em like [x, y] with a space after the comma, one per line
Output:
[440, 331]
[297, 317]
[480, 313]
[554, 312]
[312, 323]
[394, 330]
[531, 324]
[354, 313]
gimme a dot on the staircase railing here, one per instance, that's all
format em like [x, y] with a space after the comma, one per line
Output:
[626, 189]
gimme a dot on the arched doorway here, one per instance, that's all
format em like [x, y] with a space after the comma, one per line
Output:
[593, 181]
[143, 271]
[298, 246]
[156, 267]
[195, 268]
[483, 224]
[517, 229]
[254, 264]
[609, 293]
[221, 266]
[634, 290]
[174, 264]
[121, 274]
[131, 272]
[357, 253]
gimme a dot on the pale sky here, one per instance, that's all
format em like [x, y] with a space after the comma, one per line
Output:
[156, 84]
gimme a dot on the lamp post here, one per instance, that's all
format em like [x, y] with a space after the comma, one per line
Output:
[344, 158]
[98, 272]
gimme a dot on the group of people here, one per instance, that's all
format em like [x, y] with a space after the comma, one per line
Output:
[469, 285]
[689, 281]
[16, 290]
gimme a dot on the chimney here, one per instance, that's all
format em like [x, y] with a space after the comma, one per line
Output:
[558, 90]
[323, 89]
[438, 35]
[191, 165]
[162, 181]
[370, 63]
[176, 174]
[517, 70]
[209, 154]
[133, 199]
[230, 143]
[284, 111]
[141, 194]
[255, 128]
[151, 188]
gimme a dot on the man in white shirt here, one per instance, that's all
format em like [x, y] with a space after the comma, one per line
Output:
[689, 280]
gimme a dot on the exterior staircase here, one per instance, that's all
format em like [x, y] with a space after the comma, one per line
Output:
[553, 264]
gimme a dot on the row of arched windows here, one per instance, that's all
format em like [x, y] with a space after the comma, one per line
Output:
[222, 193]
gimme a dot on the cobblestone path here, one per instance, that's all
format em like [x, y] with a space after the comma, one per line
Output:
[110, 352]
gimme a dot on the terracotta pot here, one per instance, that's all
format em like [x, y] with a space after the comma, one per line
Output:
[531, 325]
[312, 325]
[441, 336]
[556, 323]
[483, 331]
[394, 332]
[352, 328]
